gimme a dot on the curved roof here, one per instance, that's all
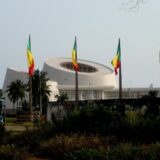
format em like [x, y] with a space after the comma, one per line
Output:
[91, 74]
[58, 63]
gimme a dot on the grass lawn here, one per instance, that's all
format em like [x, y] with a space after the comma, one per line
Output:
[19, 124]
[12, 122]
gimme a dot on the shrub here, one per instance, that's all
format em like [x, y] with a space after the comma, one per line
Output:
[61, 144]
[153, 152]
[85, 154]
[32, 138]
[121, 151]
[89, 120]
[127, 151]
[12, 152]
[2, 131]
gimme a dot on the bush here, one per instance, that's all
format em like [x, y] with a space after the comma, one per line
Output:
[59, 145]
[127, 151]
[120, 152]
[85, 154]
[89, 120]
[31, 138]
[12, 152]
[2, 131]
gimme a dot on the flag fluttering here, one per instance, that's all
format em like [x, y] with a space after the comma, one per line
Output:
[116, 62]
[74, 56]
[30, 58]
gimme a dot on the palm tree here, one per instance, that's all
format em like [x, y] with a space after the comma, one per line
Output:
[61, 98]
[16, 90]
[40, 89]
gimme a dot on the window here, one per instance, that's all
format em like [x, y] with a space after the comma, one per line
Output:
[82, 67]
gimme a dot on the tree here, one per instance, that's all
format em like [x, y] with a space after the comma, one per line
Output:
[16, 90]
[152, 104]
[40, 89]
[61, 98]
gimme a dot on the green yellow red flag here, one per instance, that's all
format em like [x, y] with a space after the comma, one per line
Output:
[116, 62]
[30, 58]
[74, 57]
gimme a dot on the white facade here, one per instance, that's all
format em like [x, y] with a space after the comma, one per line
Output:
[53, 86]
[94, 79]
[12, 75]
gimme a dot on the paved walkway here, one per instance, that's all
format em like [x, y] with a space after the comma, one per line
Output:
[17, 128]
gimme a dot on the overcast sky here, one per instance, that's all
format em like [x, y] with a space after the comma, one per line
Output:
[98, 24]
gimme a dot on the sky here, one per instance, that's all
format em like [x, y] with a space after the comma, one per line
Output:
[97, 24]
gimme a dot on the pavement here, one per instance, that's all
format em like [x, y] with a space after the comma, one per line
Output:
[18, 128]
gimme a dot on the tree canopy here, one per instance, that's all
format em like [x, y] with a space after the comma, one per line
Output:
[40, 89]
[16, 90]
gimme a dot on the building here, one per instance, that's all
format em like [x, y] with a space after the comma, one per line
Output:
[12, 75]
[95, 81]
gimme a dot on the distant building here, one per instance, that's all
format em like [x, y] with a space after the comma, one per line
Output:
[12, 75]
[95, 80]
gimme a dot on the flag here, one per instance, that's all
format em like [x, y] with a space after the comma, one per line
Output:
[116, 62]
[30, 59]
[74, 56]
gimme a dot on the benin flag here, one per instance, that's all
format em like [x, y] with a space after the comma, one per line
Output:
[30, 58]
[116, 62]
[74, 57]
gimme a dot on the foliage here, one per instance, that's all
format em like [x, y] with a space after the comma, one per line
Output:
[59, 145]
[128, 151]
[2, 131]
[91, 147]
[25, 105]
[12, 152]
[31, 138]
[40, 89]
[103, 120]
[61, 98]
[94, 120]
[120, 107]
[16, 90]
[152, 104]
[95, 131]
[85, 154]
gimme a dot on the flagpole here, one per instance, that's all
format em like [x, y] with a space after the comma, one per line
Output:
[30, 87]
[76, 82]
[40, 96]
[120, 76]
[120, 82]
[30, 94]
[77, 96]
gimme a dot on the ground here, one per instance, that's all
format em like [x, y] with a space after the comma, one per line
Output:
[36, 158]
